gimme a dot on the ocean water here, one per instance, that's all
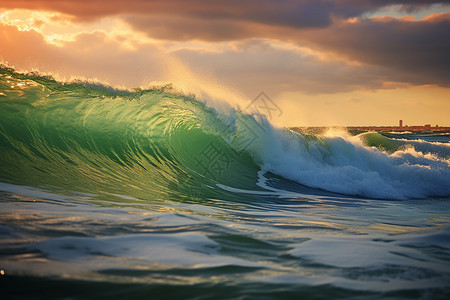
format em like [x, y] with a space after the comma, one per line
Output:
[108, 193]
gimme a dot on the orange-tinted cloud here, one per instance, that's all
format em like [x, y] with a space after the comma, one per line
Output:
[289, 13]
[292, 13]
[91, 56]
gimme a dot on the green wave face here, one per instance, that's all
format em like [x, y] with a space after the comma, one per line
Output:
[149, 144]
[375, 139]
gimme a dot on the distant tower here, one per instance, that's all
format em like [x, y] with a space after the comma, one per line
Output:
[400, 123]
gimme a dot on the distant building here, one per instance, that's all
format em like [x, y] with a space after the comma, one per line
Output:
[400, 123]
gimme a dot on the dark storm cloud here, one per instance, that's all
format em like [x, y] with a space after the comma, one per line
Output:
[411, 46]
[257, 64]
[291, 13]
[299, 13]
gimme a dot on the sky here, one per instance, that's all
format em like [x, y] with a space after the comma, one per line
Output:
[320, 62]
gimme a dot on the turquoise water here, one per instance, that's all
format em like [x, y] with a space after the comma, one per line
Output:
[152, 194]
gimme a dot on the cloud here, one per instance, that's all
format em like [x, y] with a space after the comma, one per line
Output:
[180, 28]
[259, 65]
[291, 13]
[420, 48]
[100, 56]
[248, 66]
[356, 8]
[286, 12]
[385, 49]
[90, 55]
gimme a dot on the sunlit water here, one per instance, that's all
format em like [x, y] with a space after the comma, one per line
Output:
[106, 196]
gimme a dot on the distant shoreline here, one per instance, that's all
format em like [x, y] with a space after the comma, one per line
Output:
[426, 128]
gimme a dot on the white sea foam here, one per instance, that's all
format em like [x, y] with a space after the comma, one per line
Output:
[341, 163]
[440, 149]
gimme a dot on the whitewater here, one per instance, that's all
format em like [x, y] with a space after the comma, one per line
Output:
[152, 193]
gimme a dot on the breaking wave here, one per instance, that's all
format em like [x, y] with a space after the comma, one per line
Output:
[156, 143]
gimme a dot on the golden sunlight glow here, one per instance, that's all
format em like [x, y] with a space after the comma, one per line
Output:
[415, 105]
[58, 28]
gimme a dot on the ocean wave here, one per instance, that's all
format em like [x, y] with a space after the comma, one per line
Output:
[154, 144]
